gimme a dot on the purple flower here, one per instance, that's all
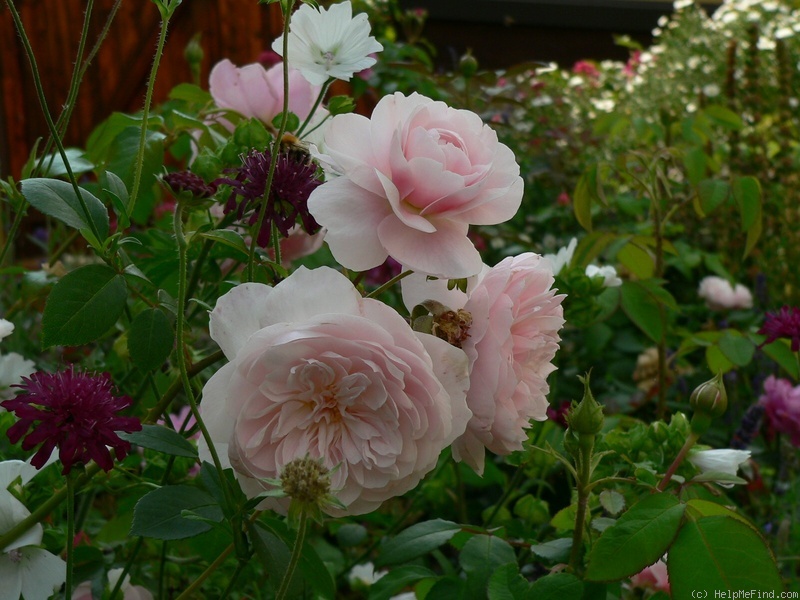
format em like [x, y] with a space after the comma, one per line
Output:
[186, 181]
[76, 412]
[781, 402]
[292, 184]
[784, 324]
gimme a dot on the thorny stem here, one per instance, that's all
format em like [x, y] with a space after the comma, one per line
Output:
[687, 445]
[137, 177]
[584, 469]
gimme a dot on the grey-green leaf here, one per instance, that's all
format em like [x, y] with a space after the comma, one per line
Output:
[83, 305]
[57, 199]
[150, 339]
[158, 514]
[162, 439]
[417, 540]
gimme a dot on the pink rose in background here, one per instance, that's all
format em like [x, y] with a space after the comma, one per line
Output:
[781, 402]
[719, 294]
[413, 178]
[516, 316]
[129, 592]
[316, 370]
[653, 577]
[254, 91]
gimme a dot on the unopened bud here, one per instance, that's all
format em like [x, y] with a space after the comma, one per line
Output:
[586, 417]
[709, 401]
[468, 65]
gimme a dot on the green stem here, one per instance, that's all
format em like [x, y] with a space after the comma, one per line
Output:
[322, 92]
[584, 469]
[70, 534]
[195, 585]
[388, 284]
[296, 552]
[37, 81]
[12, 233]
[276, 243]
[127, 568]
[512, 487]
[232, 583]
[162, 563]
[137, 177]
[276, 146]
[687, 445]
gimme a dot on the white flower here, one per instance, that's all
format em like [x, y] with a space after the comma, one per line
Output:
[683, 4]
[329, 43]
[719, 294]
[608, 273]
[719, 461]
[6, 328]
[562, 258]
[25, 570]
[13, 368]
[364, 574]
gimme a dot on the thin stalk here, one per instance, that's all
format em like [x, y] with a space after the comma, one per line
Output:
[276, 146]
[276, 243]
[12, 233]
[176, 386]
[296, 551]
[510, 489]
[137, 176]
[126, 569]
[70, 534]
[388, 284]
[582, 484]
[37, 81]
[687, 445]
[322, 92]
[162, 563]
[74, 84]
[232, 583]
[195, 585]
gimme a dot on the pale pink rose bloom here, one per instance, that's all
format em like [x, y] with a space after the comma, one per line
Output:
[316, 370]
[653, 577]
[413, 178]
[253, 91]
[719, 294]
[516, 317]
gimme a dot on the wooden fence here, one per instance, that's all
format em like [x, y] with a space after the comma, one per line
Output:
[116, 79]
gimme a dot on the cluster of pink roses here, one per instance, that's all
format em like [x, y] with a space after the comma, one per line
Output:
[719, 294]
[317, 370]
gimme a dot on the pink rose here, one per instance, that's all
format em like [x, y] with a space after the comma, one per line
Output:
[654, 577]
[413, 178]
[316, 370]
[254, 91]
[719, 294]
[781, 402]
[516, 316]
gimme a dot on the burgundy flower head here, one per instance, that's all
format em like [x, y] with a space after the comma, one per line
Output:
[783, 324]
[76, 412]
[292, 183]
[186, 181]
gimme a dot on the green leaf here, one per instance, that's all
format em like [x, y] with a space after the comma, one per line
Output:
[697, 508]
[747, 193]
[150, 339]
[57, 199]
[103, 136]
[736, 348]
[189, 92]
[717, 361]
[158, 513]
[83, 305]
[557, 586]
[480, 557]
[397, 579]
[642, 308]
[723, 116]
[781, 352]
[555, 550]
[612, 501]
[162, 439]
[122, 155]
[229, 238]
[506, 583]
[638, 539]
[54, 165]
[565, 518]
[339, 105]
[637, 260]
[712, 193]
[585, 194]
[723, 554]
[417, 540]
[695, 161]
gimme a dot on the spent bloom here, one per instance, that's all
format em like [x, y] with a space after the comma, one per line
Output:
[783, 324]
[719, 294]
[292, 183]
[511, 341]
[653, 578]
[329, 43]
[74, 411]
[781, 402]
[412, 179]
[318, 371]
[253, 91]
